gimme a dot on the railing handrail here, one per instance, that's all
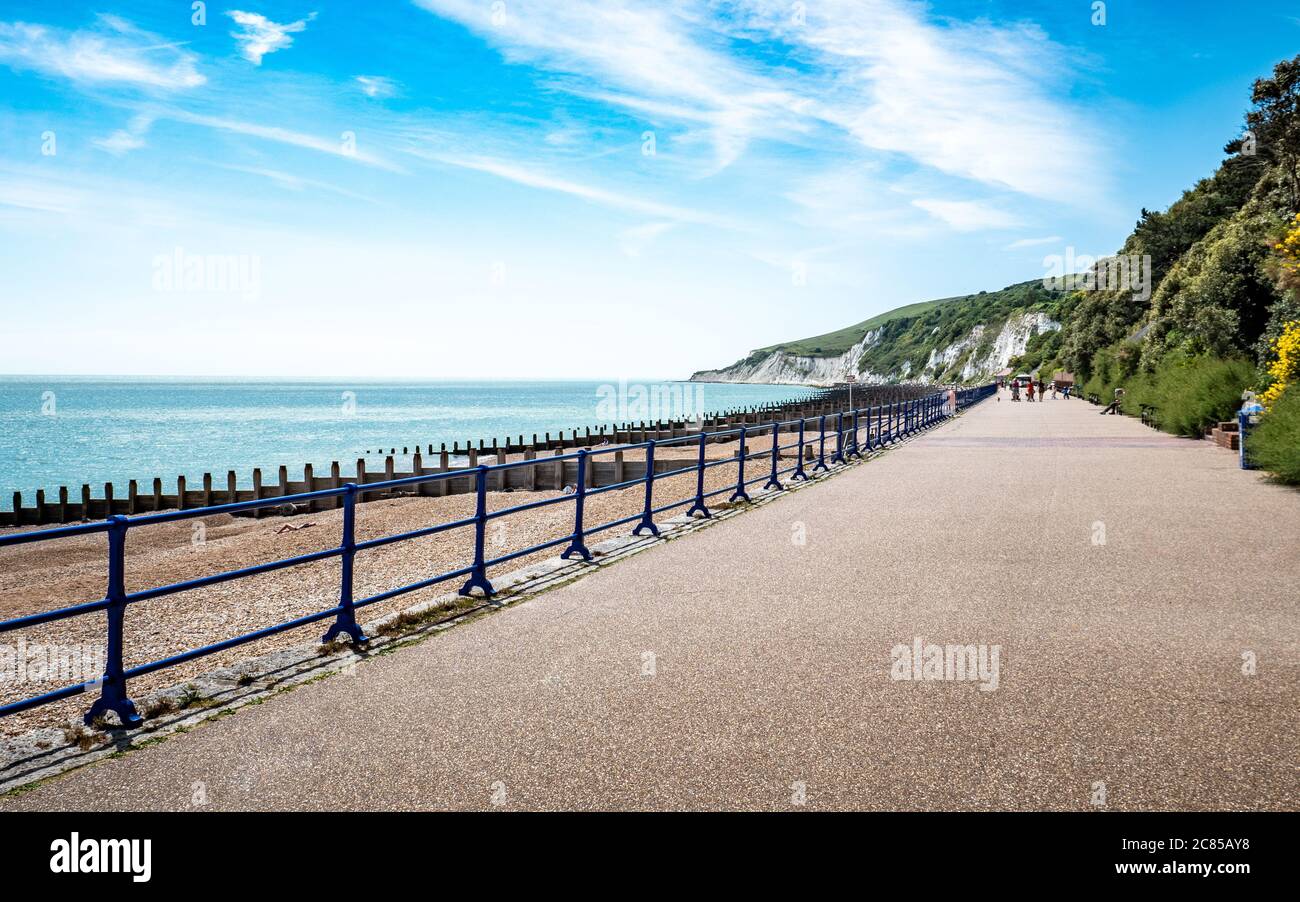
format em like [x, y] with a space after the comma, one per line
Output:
[891, 421]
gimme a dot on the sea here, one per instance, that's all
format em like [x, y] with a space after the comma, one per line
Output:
[65, 431]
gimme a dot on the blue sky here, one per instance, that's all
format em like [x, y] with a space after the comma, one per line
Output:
[552, 188]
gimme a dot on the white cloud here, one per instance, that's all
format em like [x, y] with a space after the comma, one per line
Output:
[1032, 242]
[377, 86]
[534, 179]
[644, 56]
[259, 36]
[967, 100]
[294, 182]
[113, 53]
[967, 215]
[333, 147]
[125, 140]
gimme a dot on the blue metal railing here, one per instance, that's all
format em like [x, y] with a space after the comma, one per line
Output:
[883, 424]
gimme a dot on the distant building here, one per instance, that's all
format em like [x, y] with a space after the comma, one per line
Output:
[1063, 378]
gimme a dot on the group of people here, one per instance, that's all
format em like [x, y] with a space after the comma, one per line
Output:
[1035, 389]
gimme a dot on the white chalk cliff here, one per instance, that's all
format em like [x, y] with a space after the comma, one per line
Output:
[980, 358]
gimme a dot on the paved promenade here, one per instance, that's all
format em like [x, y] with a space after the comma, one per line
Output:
[1123, 573]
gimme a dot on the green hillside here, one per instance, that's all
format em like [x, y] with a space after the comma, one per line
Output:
[910, 333]
[834, 343]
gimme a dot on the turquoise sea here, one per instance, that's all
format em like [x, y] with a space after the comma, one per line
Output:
[64, 430]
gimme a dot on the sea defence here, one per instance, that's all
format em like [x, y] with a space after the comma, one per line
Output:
[420, 460]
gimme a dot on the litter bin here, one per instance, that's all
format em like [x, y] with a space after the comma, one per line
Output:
[1247, 417]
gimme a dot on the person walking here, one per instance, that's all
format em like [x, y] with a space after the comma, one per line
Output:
[1029, 391]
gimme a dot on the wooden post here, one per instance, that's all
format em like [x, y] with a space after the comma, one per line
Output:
[501, 474]
[108, 499]
[336, 481]
[257, 491]
[531, 472]
[157, 494]
[232, 493]
[40, 506]
[207, 490]
[132, 497]
[307, 476]
[180, 493]
[417, 465]
[85, 501]
[618, 467]
[361, 478]
[18, 508]
[284, 481]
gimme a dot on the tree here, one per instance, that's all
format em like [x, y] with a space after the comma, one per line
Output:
[1275, 122]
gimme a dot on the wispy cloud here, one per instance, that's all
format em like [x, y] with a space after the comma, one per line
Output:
[532, 178]
[294, 182]
[258, 35]
[966, 100]
[967, 215]
[334, 147]
[125, 140]
[113, 52]
[652, 59]
[377, 86]
[1032, 242]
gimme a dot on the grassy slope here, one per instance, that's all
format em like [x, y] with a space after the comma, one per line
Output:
[834, 343]
[911, 332]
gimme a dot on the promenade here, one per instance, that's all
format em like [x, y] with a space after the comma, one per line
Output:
[1123, 574]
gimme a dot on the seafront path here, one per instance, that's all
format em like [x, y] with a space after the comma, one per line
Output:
[1141, 589]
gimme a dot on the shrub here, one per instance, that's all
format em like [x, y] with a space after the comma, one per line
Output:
[1274, 444]
[1190, 393]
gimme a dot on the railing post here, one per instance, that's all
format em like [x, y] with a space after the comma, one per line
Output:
[346, 621]
[839, 438]
[699, 504]
[647, 515]
[478, 575]
[855, 447]
[576, 545]
[798, 468]
[112, 696]
[821, 446]
[772, 481]
[740, 494]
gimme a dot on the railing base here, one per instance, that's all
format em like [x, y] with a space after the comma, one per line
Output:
[477, 581]
[576, 547]
[114, 698]
[646, 523]
[345, 624]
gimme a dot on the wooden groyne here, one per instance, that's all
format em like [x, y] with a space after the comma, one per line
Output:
[424, 460]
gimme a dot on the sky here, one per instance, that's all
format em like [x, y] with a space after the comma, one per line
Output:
[550, 189]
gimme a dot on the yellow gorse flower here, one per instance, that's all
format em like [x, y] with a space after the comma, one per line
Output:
[1289, 247]
[1286, 368]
